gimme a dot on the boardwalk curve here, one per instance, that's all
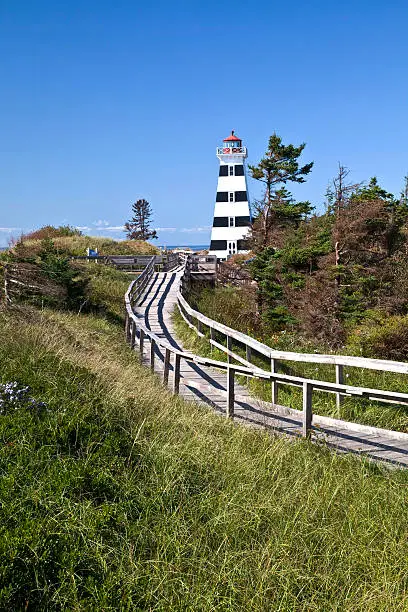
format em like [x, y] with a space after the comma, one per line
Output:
[149, 328]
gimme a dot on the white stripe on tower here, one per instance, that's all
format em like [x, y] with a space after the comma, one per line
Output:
[232, 213]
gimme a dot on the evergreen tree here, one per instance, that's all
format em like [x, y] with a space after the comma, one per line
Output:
[279, 166]
[404, 193]
[138, 228]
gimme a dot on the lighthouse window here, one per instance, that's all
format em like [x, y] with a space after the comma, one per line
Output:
[231, 170]
[242, 245]
[242, 221]
[223, 171]
[240, 196]
[218, 245]
[220, 222]
[231, 196]
[222, 196]
[231, 221]
[239, 170]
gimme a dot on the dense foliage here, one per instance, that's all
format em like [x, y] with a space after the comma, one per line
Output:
[324, 275]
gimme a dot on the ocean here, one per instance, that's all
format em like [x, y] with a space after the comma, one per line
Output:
[194, 247]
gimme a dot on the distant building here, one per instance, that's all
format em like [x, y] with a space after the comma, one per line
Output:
[232, 213]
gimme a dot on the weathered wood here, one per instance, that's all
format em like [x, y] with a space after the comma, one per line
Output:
[152, 353]
[274, 369]
[127, 326]
[232, 354]
[133, 334]
[141, 342]
[176, 374]
[166, 366]
[230, 392]
[339, 381]
[229, 348]
[307, 409]
[248, 353]
[383, 365]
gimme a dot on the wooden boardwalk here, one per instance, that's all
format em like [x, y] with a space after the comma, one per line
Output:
[208, 385]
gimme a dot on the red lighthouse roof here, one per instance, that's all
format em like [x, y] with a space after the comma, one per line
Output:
[232, 138]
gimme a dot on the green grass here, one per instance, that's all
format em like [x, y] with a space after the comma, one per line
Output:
[122, 497]
[356, 410]
[107, 288]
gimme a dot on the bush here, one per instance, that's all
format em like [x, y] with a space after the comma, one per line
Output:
[49, 231]
[45, 277]
[231, 306]
[381, 337]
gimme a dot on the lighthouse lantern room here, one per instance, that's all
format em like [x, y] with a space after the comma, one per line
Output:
[232, 213]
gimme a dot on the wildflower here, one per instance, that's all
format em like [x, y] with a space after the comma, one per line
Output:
[13, 397]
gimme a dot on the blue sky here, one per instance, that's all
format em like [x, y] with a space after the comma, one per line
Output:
[103, 102]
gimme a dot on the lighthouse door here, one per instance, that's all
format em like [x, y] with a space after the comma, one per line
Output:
[232, 248]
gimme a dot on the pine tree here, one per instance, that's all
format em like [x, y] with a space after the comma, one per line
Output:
[138, 228]
[404, 193]
[278, 167]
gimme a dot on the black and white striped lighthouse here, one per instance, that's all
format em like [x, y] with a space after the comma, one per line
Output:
[232, 213]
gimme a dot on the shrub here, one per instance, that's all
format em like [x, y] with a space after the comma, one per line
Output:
[49, 231]
[381, 337]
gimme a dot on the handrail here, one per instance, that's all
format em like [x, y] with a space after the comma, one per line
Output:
[137, 331]
[382, 365]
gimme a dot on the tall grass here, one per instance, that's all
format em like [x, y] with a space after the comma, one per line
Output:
[122, 497]
[77, 245]
[106, 289]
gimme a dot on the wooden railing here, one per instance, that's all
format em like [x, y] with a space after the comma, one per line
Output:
[164, 262]
[137, 333]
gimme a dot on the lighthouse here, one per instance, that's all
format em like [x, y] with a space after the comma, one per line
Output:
[232, 213]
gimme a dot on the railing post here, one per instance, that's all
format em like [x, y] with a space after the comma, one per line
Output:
[141, 342]
[248, 351]
[339, 381]
[230, 392]
[307, 409]
[133, 335]
[166, 366]
[199, 326]
[127, 327]
[176, 379]
[152, 353]
[212, 335]
[274, 367]
[229, 348]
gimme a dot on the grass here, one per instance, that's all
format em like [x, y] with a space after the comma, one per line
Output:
[107, 287]
[122, 497]
[77, 245]
[356, 410]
